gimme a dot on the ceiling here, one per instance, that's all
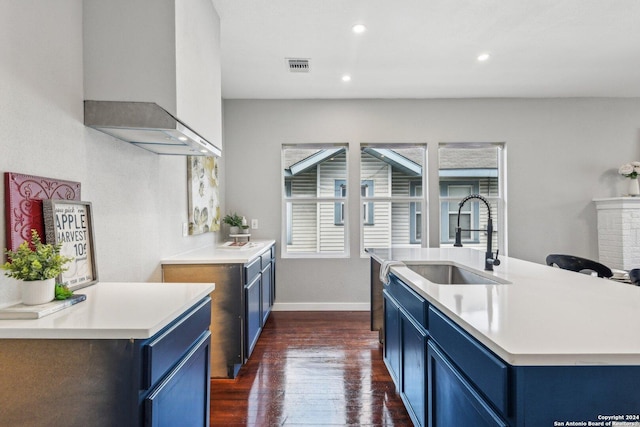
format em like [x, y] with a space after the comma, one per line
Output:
[429, 48]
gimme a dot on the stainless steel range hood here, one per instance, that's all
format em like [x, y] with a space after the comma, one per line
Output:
[148, 126]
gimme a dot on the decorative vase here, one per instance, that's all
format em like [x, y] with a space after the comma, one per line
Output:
[36, 292]
[234, 230]
[634, 187]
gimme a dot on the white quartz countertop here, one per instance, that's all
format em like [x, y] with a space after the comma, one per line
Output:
[221, 255]
[113, 311]
[544, 316]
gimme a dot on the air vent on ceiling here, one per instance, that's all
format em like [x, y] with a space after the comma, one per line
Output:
[298, 65]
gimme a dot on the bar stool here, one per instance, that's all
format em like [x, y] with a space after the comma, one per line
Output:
[574, 263]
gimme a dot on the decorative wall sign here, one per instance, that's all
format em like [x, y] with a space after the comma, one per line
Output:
[204, 201]
[71, 223]
[23, 195]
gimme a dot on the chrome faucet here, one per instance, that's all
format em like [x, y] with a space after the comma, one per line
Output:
[489, 260]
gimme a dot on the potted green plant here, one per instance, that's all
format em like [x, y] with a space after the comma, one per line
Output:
[36, 265]
[234, 221]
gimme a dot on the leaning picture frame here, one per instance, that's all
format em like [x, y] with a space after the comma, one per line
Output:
[70, 223]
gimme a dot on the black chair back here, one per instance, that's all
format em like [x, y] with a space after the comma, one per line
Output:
[634, 276]
[574, 263]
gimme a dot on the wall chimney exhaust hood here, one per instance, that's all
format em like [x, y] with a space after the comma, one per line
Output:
[148, 126]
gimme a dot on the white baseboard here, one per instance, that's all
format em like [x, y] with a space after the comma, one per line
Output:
[321, 306]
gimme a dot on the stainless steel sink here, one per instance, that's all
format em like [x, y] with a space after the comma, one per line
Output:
[449, 274]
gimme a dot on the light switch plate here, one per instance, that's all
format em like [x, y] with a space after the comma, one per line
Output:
[254, 224]
[185, 229]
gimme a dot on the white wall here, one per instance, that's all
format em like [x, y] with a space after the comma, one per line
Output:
[561, 154]
[139, 198]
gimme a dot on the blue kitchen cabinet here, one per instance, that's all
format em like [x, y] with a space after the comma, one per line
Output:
[466, 384]
[391, 350]
[175, 371]
[488, 373]
[452, 400]
[242, 302]
[253, 301]
[266, 304]
[267, 285]
[163, 380]
[413, 351]
[405, 346]
[436, 391]
[259, 290]
[182, 398]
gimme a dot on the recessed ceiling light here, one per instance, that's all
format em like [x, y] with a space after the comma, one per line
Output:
[359, 28]
[483, 57]
[346, 78]
[182, 138]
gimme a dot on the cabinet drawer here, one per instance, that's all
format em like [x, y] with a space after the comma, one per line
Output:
[183, 397]
[252, 270]
[486, 371]
[266, 259]
[413, 303]
[162, 351]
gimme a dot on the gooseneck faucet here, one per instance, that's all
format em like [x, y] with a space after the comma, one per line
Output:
[489, 260]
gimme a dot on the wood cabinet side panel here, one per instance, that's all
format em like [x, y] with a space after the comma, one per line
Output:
[188, 273]
[227, 310]
[68, 382]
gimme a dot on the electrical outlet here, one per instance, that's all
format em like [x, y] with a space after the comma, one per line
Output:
[254, 224]
[185, 229]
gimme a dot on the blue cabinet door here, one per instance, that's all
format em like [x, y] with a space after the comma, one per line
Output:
[266, 293]
[452, 401]
[392, 337]
[253, 325]
[182, 398]
[414, 370]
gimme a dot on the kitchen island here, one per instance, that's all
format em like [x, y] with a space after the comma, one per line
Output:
[532, 346]
[131, 354]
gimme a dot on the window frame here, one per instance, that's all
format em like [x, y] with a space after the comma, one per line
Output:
[396, 199]
[288, 201]
[498, 200]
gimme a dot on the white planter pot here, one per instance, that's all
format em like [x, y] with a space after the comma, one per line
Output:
[234, 230]
[36, 292]
[634, 187]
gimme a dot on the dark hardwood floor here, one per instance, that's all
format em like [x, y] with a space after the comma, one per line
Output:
[311, 369]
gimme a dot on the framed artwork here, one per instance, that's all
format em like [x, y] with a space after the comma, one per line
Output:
[23, 203]
[71, 223]
[204, 201]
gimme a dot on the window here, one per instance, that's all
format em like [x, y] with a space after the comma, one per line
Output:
[466, 169]
[391, 195]
[315, 203]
